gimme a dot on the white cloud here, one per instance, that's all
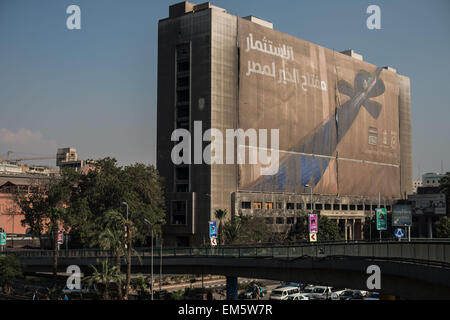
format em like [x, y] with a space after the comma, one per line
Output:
[25, 140]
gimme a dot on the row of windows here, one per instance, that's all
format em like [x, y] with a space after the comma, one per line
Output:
[317, 206]
[182, 121]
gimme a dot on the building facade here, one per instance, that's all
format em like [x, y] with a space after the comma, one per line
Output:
[322, 127]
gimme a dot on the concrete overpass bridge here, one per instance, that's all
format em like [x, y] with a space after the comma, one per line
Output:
[410, 270]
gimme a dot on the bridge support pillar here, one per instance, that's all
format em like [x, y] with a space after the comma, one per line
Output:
[232, 288]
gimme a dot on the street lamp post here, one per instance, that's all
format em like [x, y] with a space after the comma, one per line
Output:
[151, 240]
[308, 186]
[128, 252]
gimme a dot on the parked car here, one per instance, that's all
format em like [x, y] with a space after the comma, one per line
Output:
[291, 284]
[298, 296]
[283, 293]
[372, 296]
[351, 295]
[307, 289]
[321, 293]
[335, 295]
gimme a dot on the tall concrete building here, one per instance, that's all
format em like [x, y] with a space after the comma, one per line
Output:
[336, 129]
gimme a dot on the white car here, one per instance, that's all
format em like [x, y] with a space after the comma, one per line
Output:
[298, 296]
[321, 292]
[283, 293]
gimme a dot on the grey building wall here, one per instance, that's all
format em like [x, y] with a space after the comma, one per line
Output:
[224, 95]
[193, 28]
[404, 104]
[213, 99]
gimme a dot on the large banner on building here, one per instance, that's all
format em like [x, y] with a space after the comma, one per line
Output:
[337, 116]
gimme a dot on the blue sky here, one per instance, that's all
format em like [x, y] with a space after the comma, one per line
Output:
[95, 88]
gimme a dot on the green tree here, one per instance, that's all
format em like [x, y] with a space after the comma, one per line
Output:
[96, 205]
[242, 229]
[103, 275]
[328, 229]
[443, 228]
[10, 269]
[220, 215]
[44, 209]
[140, 285]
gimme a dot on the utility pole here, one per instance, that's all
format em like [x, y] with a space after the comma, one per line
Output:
[379, 206]
[128, 281]
[160, 265]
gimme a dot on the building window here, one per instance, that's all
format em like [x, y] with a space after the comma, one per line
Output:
[360, 207]
[352, 207]
[319, 206]
[290, 206]
[344, 207]
[327, 206]
[269, 220]
[178, 216]
[367, 207]
[182, 187]
[388, 208]
[299, 206]
[374, 207]
[290, 220]
[246, 205]
[280, 220]
[257, 205]
[268, 205]
[336, 206]
[182, 173]
[279, 205]
[308, 206]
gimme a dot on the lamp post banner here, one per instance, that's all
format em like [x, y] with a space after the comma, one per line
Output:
[313, 223]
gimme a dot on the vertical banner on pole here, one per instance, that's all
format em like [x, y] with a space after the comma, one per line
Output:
[213, 232]
[313, 223]
[381, 219]
[313, 229]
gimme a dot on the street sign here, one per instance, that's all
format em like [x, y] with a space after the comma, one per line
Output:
[399, 233]
[312, 237]
[313, 223]
[212, 229]
[214, 241]
[60, 237]
[3, 238]
[401, 215]
[381, 219]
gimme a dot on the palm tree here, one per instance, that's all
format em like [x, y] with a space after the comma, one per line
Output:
[104, 275]
[113, 238]
[220, 215]
[140, 285]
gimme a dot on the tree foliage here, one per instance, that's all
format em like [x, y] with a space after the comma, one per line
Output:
[10, 269]
[104, 276]
[220, 215]
[443, 228]
[242, 229]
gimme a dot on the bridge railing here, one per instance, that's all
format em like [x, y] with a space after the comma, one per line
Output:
[438, 252]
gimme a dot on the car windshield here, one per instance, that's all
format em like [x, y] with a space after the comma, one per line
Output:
[318, 290]
[277, 293]
[307, 290]
[347, 293]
